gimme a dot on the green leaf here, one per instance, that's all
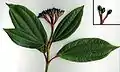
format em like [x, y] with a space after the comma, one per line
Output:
[22, 38]
[28, 31]
[86, 49]
[69, 24]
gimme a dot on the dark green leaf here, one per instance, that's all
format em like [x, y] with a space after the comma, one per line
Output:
[69, 24]
[86, 49]
[28, 31]
[22, 38]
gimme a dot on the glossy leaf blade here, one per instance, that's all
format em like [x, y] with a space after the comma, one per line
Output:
[69, 24]
[86, 49]
[23, 39]
[26, 21]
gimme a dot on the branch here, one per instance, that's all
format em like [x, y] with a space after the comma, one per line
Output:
[52, 58]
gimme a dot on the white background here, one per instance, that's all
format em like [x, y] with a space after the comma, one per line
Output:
[14, 58]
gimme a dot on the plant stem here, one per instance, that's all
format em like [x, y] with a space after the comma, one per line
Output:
[52, 58]
[104, 18]
[100, 15]
[101, 19]
[47, 57]
[46, 67]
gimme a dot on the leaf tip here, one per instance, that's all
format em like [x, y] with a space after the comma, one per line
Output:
[9, 5]
[83, 6]
[6, 30]
[118, 46]
[6, 3]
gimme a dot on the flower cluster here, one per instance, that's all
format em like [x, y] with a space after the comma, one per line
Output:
[101, 11]
[51, 15]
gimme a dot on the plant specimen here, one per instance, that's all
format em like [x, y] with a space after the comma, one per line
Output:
[30, 33]
[101, 11]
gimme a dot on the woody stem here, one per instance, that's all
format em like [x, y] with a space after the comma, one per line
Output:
[48, 48]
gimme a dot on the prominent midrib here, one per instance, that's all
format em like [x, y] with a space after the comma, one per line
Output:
[25, 23]
[69, 47]
[67, 25]
[33, 23]
[27, 39]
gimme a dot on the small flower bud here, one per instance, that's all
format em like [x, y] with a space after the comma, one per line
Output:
[103, 10]
[99, 8]
[51, 15]
[40, 15]
[109, 12]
